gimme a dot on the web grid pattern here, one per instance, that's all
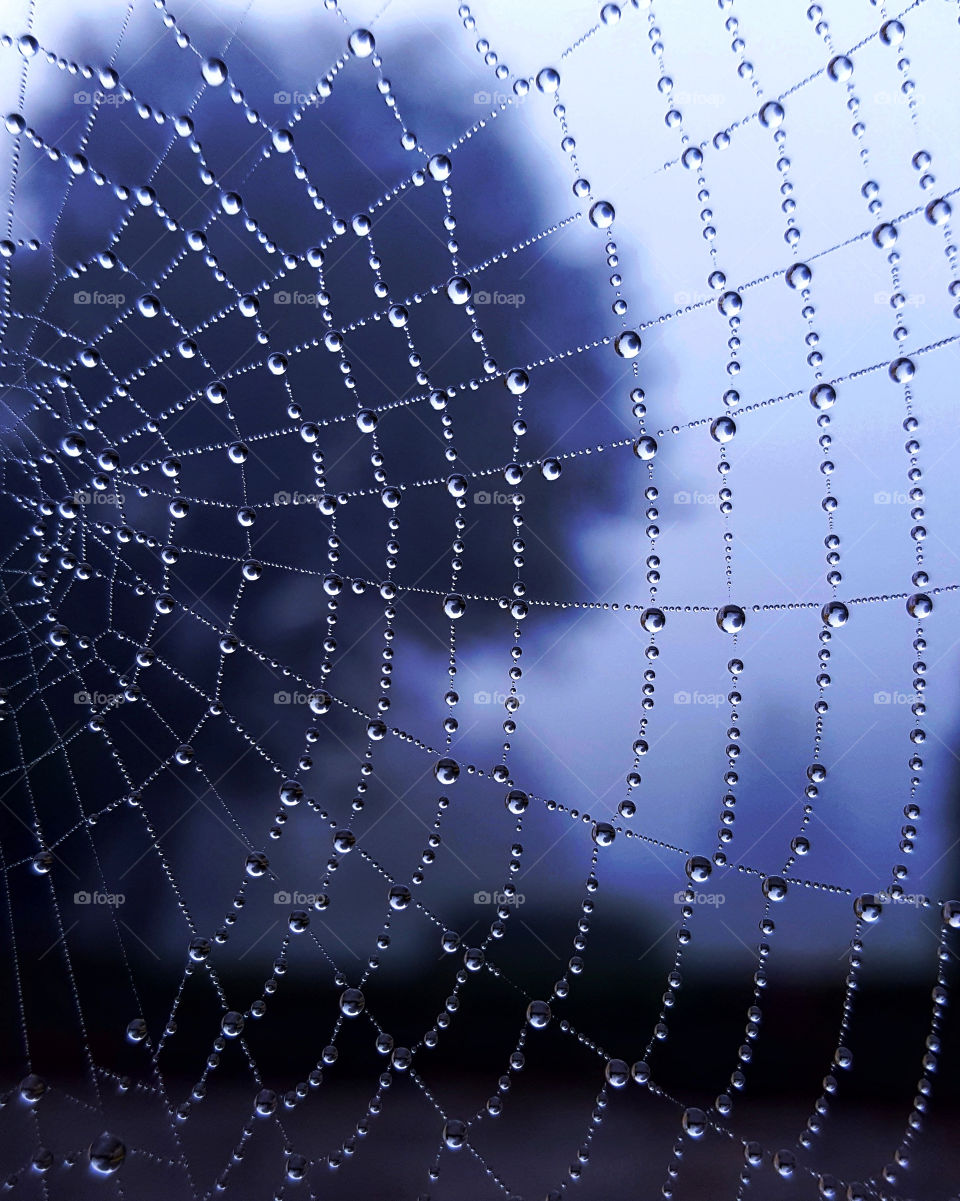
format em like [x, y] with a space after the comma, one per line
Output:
[146, 560]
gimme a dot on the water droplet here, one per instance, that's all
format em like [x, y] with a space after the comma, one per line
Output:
[868, 907]
[653, 620]
[603, 834]
[136, 1030]
[840, 68]
[548, 80]
[602, 214]
[454, 1134]
[538, 1014]
[951, 914]
[698, 869]
[550, 469]
[823, 396]
[645, 447]
[919, 605]
[517, 381]
[885, 235]
[731, 619]
[446, 771]
[723, 429]
[771, 114]
[73, 444]
[361, 43]
[617, 1073]
[799, 275]
[774, 888]
[459, 290]
[439, 167]
[938, 212]
[835, 614]
[291, 792]
[106, 1154]
[627, 345]
[516, 801]
[902, 370]
[214, 72]
[730, 303]
[694, 1122]
[454, 606]
[148, 305]
[352, 1002]
[257, 864]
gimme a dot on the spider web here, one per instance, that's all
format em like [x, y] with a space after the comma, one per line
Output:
[265, 477]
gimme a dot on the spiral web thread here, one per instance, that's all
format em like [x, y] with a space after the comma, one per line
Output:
[69, 544]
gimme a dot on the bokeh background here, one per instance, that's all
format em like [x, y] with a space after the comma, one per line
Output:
[76, 974]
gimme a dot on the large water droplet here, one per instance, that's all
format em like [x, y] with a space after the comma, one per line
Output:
[835, 614]
[361, 43]
[459, 289]
[214, 72]
[352, 1002]
[731, 619]
[106, 1154]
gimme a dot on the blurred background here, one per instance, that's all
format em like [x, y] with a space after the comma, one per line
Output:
[118, 703]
